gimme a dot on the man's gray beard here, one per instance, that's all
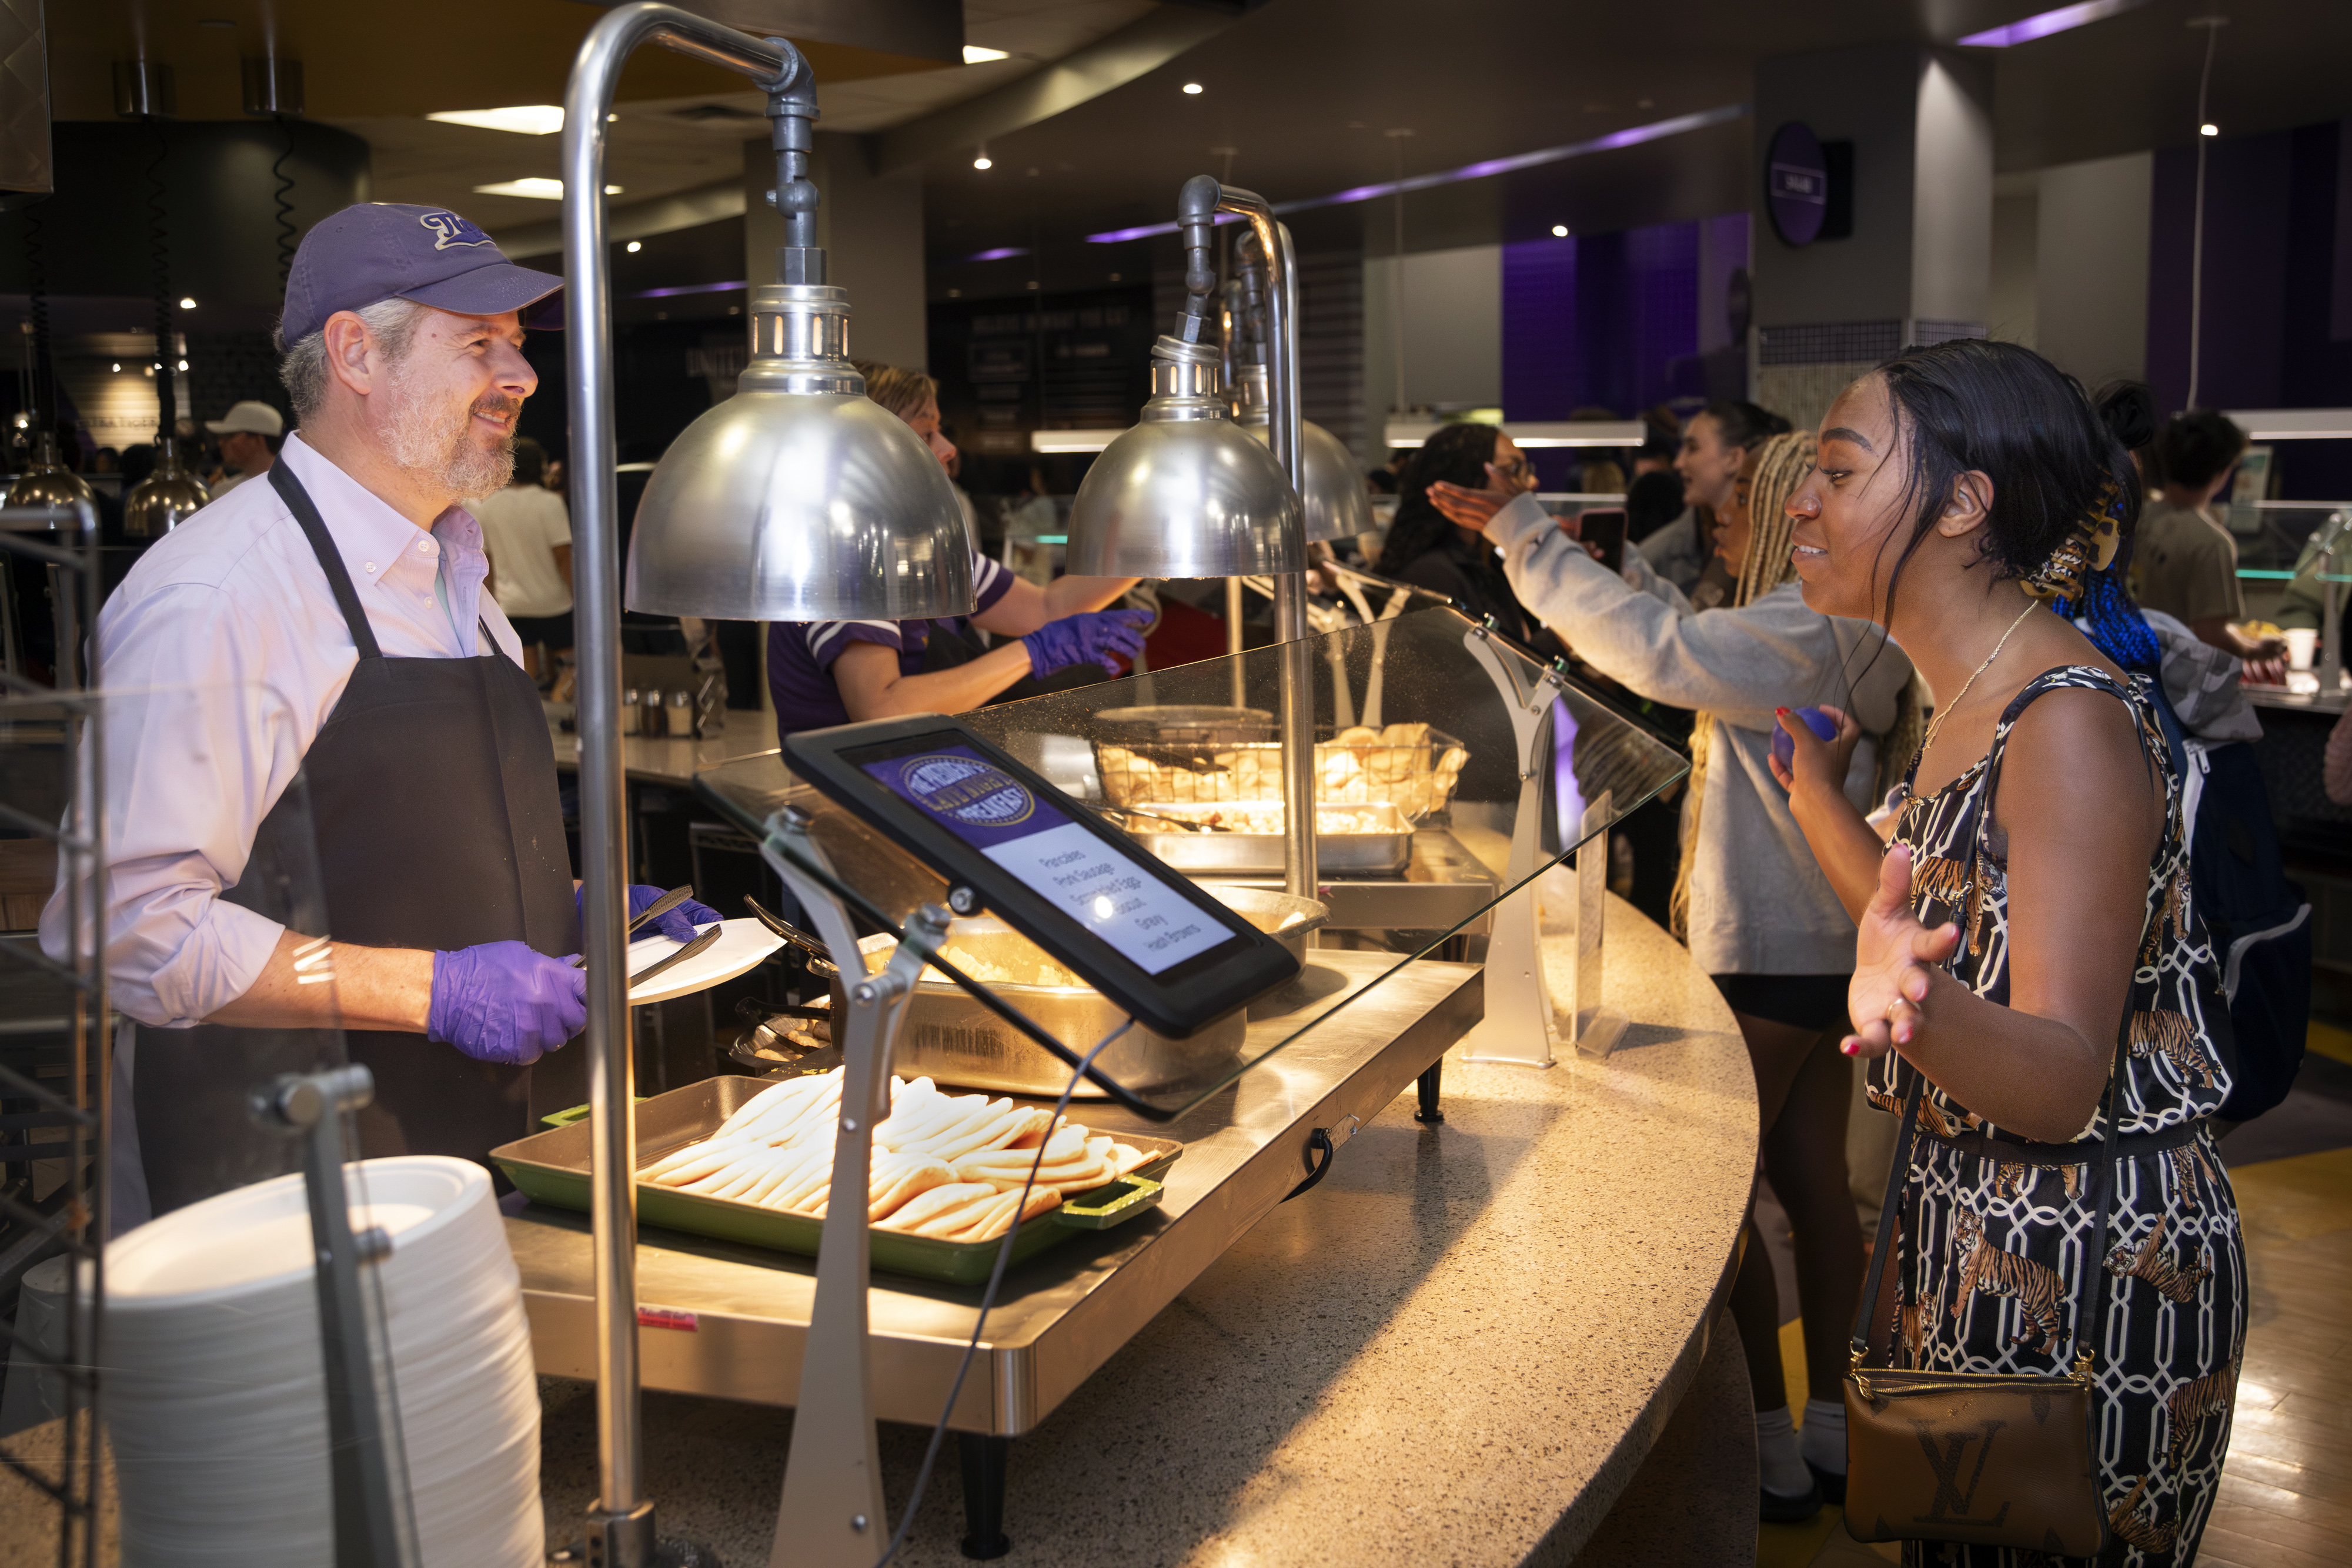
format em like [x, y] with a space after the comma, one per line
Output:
[442, 447]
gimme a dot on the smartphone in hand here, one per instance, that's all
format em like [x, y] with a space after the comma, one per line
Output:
[1603, 530]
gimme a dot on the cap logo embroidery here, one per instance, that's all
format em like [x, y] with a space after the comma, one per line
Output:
[449, 229]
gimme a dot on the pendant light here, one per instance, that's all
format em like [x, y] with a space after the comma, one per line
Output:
[1187, 492]
[166, 498]
[799, 498]
[1334, 497]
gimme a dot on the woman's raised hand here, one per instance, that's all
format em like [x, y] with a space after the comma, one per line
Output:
[1467, 508]
[1894, 961]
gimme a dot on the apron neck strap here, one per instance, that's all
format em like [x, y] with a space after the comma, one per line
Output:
[330, 560]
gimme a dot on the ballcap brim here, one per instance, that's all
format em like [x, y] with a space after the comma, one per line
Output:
[490, 290]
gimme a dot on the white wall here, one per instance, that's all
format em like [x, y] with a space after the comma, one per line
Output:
[2012, 310]
[1951, 243]
[2091, 267]
[1452, 303]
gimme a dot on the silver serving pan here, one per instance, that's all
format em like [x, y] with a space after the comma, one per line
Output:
[1385, 853]
[955, 1039]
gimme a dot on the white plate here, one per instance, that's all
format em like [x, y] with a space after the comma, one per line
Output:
[741, 944]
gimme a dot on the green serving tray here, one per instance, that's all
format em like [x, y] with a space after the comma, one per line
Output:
[552, 1167]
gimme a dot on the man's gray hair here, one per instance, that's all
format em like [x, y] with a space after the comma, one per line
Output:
[392, 322]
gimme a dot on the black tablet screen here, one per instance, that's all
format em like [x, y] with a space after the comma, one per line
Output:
[1144, 919]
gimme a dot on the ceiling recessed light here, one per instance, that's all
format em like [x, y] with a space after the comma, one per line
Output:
[1032, 283]
[984, 160]
[522, 119]
[184, 364]
[187, 304]
[1560, 231]
[734, 310]
[636, 245]
[117, 366]
[2208, 129]
[955, 293]
[973, 55]
[538, 188]
[1193, 90]
[1114, 278]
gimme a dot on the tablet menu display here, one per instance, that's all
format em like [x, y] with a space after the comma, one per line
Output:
[1145, 920]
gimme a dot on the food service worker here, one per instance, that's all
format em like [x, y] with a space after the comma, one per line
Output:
[327, 623]
[824, 673]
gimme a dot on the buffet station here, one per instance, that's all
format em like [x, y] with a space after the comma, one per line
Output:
[1104, 979]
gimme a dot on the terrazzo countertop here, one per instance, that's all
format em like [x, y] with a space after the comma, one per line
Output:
[1457, 1350]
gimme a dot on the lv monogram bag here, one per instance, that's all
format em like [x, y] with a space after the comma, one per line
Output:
[1989, 1459]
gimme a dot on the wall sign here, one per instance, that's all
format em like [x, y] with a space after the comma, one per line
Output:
[1796, 183]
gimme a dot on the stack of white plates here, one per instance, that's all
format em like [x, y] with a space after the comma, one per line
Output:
[215, 1405]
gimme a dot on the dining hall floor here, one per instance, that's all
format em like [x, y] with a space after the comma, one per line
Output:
[2286, 1489]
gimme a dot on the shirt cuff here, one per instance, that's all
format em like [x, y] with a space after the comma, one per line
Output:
[1520, 516]
[219, 961]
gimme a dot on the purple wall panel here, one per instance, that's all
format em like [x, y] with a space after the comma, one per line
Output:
[1540, 340]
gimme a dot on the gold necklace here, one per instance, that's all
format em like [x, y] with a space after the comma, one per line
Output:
[1948, 712]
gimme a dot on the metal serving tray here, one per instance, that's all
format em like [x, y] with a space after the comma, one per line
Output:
[552, 1167]
[1386, 852]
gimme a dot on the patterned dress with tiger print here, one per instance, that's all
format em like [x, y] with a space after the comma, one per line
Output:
[1989, 1261]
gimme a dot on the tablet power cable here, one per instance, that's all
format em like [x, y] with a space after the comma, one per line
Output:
[988, 1299]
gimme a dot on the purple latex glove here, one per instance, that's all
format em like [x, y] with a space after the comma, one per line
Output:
[506, 1002]
[1821, 724]
[678, 925]
[1093, 638]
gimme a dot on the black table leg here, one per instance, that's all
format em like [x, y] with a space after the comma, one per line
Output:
[984, 1494]
[1429, 1113]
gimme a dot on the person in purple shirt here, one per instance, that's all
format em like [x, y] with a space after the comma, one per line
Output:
[824, 673]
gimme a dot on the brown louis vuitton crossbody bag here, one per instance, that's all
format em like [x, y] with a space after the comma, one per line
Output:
[1988, 1458]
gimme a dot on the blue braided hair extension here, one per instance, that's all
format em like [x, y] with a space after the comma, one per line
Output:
[2116, 628]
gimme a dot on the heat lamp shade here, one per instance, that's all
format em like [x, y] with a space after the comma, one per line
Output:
[1185, 498]
[784, 506]
[1338, 505]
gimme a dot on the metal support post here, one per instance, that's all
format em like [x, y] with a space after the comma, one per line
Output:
[1290, 628]
[373, 1525]
[832, 1514]
[621, 1522]
[2331, 650]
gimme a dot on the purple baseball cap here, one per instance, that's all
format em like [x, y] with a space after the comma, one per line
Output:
[385, 250]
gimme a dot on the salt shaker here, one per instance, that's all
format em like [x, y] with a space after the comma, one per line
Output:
[655, 725]
[681, 714]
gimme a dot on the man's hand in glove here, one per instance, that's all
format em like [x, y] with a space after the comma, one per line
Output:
[678, 925]
[506, 1002]
[1096, 637]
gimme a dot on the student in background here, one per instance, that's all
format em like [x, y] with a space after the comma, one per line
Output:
[2185, 563]
[528, 536]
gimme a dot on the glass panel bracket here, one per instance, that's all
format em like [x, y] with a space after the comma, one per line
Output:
[1522, 1026]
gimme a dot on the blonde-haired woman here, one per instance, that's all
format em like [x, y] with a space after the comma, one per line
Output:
[1754, 908]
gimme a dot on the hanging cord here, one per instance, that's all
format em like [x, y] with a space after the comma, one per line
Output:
[988, 1299]
[284, 198]
[2212, 25]
[167, 398]
[43, 382]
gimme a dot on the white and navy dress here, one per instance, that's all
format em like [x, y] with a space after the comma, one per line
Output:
[1994, 1230]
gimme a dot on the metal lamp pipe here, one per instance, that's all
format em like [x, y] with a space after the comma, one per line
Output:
[1290, 628]
[587, 99]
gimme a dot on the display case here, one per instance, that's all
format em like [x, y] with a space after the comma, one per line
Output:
[1252, 1117]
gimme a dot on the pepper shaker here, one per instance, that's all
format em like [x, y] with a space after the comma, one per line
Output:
[654, 724]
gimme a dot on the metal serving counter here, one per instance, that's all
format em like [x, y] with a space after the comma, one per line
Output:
[730, 1320]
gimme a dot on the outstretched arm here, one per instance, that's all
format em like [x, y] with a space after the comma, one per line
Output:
[1842, 839]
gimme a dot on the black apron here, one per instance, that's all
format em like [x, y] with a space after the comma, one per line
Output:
[431, 788]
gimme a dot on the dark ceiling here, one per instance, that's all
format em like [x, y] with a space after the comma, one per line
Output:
[1305, 91]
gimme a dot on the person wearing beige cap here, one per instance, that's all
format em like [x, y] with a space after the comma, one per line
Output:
[248, 442]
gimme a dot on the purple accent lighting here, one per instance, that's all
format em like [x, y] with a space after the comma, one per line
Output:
[2042, 24]
[1002, 253]
[1568, 799]
[689, 288]
[1633, 136]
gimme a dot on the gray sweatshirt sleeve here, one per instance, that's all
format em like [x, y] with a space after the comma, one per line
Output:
[1738, 665]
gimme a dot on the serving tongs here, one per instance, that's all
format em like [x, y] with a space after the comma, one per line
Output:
[658, 907]
[1187, 824]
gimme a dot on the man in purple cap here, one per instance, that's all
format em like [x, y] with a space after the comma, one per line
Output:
[307, 674]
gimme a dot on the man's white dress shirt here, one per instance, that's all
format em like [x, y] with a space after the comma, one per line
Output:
[222, 655]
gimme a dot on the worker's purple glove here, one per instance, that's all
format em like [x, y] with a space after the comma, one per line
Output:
[678, 925]
[1093, 638]
[506, 1002]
